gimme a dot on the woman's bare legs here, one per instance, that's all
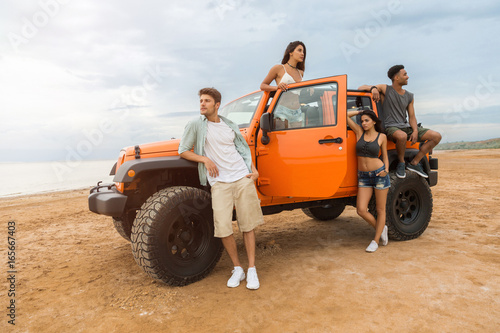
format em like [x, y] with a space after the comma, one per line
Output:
[381, 200]
[364, 196]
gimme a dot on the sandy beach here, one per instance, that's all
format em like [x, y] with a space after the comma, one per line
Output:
[76, 274]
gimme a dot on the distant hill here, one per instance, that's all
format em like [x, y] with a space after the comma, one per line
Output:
[486, 144]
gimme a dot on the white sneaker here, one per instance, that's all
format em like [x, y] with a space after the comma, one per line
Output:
[372, 247]
[252, 279]
[384, 237]
[236, 278]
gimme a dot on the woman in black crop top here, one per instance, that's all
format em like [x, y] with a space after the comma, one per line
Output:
[373, 172]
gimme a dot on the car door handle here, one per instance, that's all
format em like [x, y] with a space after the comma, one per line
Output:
[336, 140]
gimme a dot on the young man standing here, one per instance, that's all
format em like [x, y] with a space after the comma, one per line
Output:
[396, 103]
[224, 159]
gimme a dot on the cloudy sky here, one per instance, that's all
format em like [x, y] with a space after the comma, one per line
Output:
[90, 77]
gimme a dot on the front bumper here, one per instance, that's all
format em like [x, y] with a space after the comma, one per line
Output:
[106, 200]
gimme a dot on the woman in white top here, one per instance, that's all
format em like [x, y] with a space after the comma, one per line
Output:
[289, 71]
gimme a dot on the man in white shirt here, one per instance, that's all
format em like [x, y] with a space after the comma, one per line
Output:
[224, 160]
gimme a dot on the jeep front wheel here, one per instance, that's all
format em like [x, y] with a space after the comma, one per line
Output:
[173, 236]
[409, 206]
[325, 213]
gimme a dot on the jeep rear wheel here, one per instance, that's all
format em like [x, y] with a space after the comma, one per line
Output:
[173, 236]
[409, 206]
[325, 213]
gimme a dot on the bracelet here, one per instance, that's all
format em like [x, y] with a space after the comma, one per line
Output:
[372, 88]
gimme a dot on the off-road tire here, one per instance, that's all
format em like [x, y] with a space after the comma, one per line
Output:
[324, 214]
[173, 236]
[408, 208]
[124, 223]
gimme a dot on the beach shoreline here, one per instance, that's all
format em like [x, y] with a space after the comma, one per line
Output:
[42, 177]
[42, 193]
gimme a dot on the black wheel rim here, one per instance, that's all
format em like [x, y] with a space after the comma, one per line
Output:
[407, 206]
[187, 239]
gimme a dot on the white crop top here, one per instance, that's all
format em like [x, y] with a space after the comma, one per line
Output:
[287, 78]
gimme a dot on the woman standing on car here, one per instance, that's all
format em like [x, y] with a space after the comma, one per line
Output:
[291, 70]
[373, 173]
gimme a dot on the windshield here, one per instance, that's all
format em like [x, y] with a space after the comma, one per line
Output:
[241, 111]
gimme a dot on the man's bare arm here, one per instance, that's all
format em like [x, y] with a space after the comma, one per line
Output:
[211, 167]
[376, 93]
[254, 175]
[413, 123]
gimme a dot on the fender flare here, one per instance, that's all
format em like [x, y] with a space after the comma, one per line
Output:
[150, 164]
[410, 153]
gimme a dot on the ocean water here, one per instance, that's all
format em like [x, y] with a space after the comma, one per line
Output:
[39, 177]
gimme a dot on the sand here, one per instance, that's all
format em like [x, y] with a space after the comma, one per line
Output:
[76, 274]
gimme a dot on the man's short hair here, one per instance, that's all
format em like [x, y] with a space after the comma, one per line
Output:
[214, 93]
[394, 70]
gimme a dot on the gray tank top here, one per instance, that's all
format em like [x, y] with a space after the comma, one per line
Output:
[367, 149]
[395, 106]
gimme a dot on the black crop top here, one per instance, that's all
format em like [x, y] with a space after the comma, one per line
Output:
[367, 149]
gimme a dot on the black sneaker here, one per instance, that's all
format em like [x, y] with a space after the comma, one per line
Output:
[417, 169]
[400, 171]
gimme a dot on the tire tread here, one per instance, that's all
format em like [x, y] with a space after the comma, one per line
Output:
[145, 230]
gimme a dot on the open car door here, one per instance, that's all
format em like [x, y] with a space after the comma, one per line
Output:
[306, 154]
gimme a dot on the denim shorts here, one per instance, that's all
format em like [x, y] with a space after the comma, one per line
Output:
[370, 179]
[284, 113]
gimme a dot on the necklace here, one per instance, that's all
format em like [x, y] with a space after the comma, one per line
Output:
[291, 65]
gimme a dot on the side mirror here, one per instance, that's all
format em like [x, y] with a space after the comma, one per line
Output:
[265, 126]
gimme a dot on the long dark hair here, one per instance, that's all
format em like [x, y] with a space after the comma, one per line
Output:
[373, 116]
[289, 49]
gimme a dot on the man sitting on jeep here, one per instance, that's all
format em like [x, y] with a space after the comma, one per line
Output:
[396, 103]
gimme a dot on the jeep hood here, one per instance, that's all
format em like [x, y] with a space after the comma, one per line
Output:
[155, 149]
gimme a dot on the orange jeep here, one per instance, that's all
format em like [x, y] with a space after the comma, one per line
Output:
[158, 204]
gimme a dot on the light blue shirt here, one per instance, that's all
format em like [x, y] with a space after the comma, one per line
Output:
[195, 134]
